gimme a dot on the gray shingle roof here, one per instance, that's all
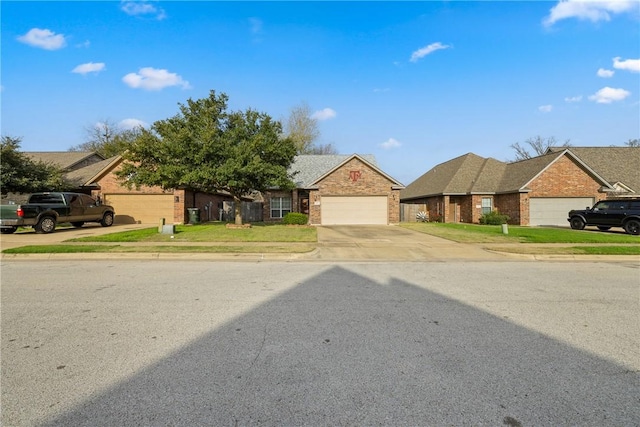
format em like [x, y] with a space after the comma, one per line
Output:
[470, 173]
[65, 160]
[310, 167]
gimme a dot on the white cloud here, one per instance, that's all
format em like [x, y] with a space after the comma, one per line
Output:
[89, 67]
[605, 73]
[149, 78]
[632, 65]
[607, 95]
[545, 108]
[324, 114]
[390, 143]
[137, 8]
[128, 124]
[45, 39]
[422, 52]
[573, 99]
[594, 11]
[256, 25]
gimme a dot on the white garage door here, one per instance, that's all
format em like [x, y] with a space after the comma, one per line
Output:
[354, 210]
[553, 210]
[141, 208]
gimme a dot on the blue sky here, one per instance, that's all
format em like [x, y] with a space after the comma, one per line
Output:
[414, 83]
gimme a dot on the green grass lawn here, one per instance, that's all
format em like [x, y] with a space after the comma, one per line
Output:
[236, 249]
[474, 233]
[213, 232]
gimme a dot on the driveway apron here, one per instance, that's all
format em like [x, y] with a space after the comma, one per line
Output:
[391, 243]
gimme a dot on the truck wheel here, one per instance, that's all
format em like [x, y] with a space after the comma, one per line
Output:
[8, 230]
[577, 223]
[46, 225]
[107, 220]
[77, 224]
[603, 228]
[632, 227]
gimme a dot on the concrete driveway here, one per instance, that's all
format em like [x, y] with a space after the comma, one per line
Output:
[27, 238]
[390, 243]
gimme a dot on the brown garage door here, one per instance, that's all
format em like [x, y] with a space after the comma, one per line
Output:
[141, 208]
[354, 210]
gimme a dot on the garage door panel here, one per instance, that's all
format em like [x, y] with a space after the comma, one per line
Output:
[338, 210]
[141, 208]
[553, 210]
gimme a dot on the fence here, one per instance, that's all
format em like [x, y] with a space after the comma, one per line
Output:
[251, 211]
[409, 211]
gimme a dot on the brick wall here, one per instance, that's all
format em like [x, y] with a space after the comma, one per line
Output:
[565, 178]
[355, 178]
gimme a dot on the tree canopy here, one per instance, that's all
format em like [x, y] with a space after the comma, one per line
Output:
[107, 139]
[20, 174]
[209, 149]
[536, 146]
[302, 128]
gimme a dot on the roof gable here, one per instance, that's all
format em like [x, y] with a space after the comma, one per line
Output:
[371, 165]
[308, 169]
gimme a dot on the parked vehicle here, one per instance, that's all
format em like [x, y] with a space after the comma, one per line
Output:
[605, 214]
[44, 210]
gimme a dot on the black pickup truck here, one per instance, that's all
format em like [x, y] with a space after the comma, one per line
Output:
[44, 210]
[605, 214]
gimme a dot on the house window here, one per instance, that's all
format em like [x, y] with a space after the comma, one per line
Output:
[487, 205]
[280, 206]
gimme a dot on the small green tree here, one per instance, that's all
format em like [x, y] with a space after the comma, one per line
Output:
[206, 148]
[20, 174]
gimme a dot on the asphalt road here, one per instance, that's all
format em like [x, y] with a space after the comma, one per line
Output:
[198, 343]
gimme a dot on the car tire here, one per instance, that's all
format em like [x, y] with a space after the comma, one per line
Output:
[577, 223]
[8, 230]
[107, 220]
[45, 225]
[78, 224]
[632, 227]
[603, 228]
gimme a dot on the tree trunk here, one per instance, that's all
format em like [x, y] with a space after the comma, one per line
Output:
[237, 204]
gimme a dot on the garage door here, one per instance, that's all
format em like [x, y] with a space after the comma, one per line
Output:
[141, 208]
[354, 210]
[553, 210]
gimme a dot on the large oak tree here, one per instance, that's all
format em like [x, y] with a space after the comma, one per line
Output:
[207, 148]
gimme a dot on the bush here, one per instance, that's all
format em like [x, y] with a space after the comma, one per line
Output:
[494, 218]
[295, 218]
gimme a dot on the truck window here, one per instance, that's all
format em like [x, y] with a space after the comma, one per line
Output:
[87, 200]
[46, 199]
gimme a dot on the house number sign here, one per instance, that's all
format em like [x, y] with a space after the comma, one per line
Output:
[355, 175]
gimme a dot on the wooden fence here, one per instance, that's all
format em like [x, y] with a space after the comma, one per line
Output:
[251, 211]
[408, 211]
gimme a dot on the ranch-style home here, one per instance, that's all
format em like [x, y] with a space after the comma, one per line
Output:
[331, 189]
[537, 191]
[93, 174]
[337, 189]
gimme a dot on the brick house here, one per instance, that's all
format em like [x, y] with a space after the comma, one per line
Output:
[537, 191]
[92, 174]
[337, 189]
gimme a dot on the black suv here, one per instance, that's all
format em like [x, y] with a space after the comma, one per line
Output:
[605, 214]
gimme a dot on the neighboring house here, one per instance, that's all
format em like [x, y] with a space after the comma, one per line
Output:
[95, 175]
[537, 191]
[337, 189]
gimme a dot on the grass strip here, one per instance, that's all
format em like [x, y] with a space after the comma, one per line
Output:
[569, 250]
[475, 233]
[68, 249]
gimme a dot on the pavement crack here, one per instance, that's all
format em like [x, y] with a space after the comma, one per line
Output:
[264, 339]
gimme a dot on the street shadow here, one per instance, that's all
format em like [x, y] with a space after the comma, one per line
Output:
[341, 349]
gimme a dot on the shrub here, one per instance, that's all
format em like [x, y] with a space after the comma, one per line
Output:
[295, 218]
[494, 218]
